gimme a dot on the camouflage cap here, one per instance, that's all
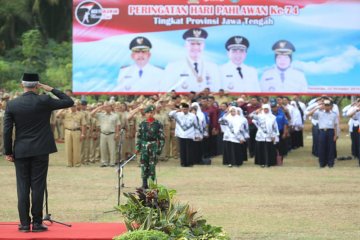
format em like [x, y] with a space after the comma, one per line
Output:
[149, 108]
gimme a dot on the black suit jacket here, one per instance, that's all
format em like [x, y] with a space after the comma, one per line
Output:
[30, 114]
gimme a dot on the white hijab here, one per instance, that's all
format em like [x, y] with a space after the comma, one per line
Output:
[199, 113]
[235, 121]
[269, 118]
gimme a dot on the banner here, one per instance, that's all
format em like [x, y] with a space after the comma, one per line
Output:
[257, 47]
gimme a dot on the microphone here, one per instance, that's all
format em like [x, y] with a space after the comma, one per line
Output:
[124, 162]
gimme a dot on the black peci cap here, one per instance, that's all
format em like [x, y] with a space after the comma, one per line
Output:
[30, 77]
[283, 47]
[237, 42]
[184, 105]
[140, 43]
[195, 34]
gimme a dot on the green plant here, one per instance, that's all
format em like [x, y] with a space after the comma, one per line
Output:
[143, 235]
[156, 209]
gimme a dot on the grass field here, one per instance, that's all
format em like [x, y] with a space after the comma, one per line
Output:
[295, 201]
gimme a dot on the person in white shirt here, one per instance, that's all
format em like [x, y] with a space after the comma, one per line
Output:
[236, 132]
[141, 76]
[315, 126]
[201, 132]
[353, 113]
[193, 73]
[297, 126]
[314, 103]
[235, 75]
[185, 128]
[328, 124]
[266, 137]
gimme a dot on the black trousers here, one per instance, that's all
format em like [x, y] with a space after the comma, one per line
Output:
[251, 141]
[327, 147]
[355, 142]
[265, 153]
[234, 153]
[212, 150]
[186, 152]
[220, 143]
[297, 139]
[198, 152]
[315, 144]
[281, 145]
[31, 173]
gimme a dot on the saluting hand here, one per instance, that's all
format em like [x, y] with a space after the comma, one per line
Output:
[45, 87]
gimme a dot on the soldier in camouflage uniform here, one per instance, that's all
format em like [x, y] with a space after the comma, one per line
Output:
[150, 141]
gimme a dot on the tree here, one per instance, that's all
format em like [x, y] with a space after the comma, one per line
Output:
[33, 50]
[15, 18]
[53, 18]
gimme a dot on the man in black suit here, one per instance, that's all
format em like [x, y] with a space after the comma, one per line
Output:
[34, 141]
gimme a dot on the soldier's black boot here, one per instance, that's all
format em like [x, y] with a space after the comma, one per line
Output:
[145, 183]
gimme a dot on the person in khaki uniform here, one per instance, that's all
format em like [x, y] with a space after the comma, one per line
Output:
[129, 143]
[167, 128]
[75, 126]
[109, 126]
[1, 129]
[94, 139]
[53, 121]
[121, 110]
[222, 97]
[162, 117]
[4, 99]
[85, 144]
[173, 140]
[116, 109]
[59, 128]
[137, 115]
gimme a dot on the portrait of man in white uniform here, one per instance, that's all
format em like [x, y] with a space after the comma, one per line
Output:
[140, 76]
[235, 75]
[193, 72]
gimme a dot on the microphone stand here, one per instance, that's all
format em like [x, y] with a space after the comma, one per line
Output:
[120, 175]
[120, 144]
[47, 217]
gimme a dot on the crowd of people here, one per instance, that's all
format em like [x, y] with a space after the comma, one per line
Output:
[194, 127]
[199, 126]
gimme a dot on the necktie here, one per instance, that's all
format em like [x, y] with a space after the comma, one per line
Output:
[301, 111]
[282, 76]
[196, 67]
[140, 73]
[239, 70]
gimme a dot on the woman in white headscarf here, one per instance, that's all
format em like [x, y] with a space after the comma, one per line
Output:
[297, 125]
[266, 137]
[235, 132]
[245, 131]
